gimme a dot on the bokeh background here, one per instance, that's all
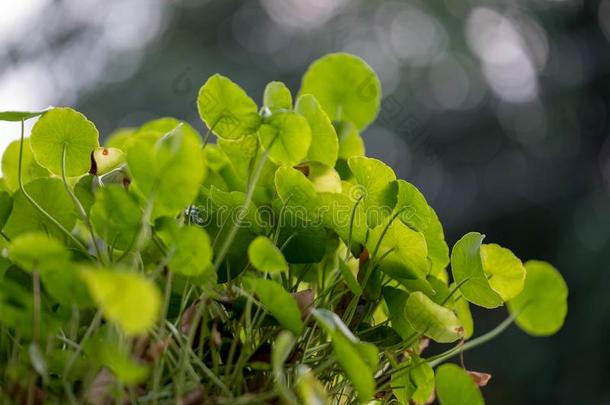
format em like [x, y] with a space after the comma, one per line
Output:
[497, 110]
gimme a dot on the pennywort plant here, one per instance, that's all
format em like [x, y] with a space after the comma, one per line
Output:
[278, 264]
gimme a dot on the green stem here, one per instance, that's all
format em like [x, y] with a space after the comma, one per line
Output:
[48, 216]
[80, 208]
[226, 244]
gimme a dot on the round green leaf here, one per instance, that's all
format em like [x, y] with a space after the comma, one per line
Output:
[346, 87]
[116, 216]
[286, 136]
[296, 191]
[265, 256]
[396, 300]
[226, 109]
[376, 186]
[169, 169]
[432, 320]
[278, 302]
[415, 383]
[455, 387]
[130, 300]
[38, 251]
[30, 169]
[505, 270]
[52, 197]
[189, 249]
[542, 305]
[324, 146]
[468, 273]
[277, 97]
[120, 137]
[59, 128]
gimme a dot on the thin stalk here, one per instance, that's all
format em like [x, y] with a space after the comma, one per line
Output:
[224, 248]
[80, 208]
[48, 216]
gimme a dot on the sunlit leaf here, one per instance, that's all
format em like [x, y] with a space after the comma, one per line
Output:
[278, 302]
[226, 109]
[127, 299]
[169, 169]
[432, 320]
[286, 136]
[416, 383]
[51, 196]
[296, 191]
[120, 137]
[542, 305]
[340, 213]
[309, 388]
[277, 97]
[346, 87]
[66, 128]
[505, 270]
[265, 256]
[30, 169]
[116, 216]
[350, 141]
[396, 300]
[6, 205]
[376, 186]
[190, 250]
[402, 252]
[325, 179]
[455, 387]
[324, 141]
[38, 252]
[16, 116]
[468, 273]
[358, 359]
[106, 159]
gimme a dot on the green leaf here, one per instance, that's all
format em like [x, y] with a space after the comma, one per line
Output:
[16, 116]
[286, 136]
[278, 302]
[416, 383]
[165, 125]
[506, 272]
[455, 387]
[6, 206]
[38, 252]
[277, 97]
[339, 212]
[119, 138]
[116, 216]
[542, 305]
[396, 300]
[402, 252]
[281, 349]
[358, 359]
[52, 197]
[376, 186]
[189, 249]
[350, 141]
[468, 273]
[324, 146]
[127, 299]
[297, 192]
[325, 179]
[66, 128]
[346, 87]
[438, 251]
[310, 390]
[169, 169]
[462, 310]
[265, 256]
[30, 169]
[106, 159]
[226, 109]
[432, 320]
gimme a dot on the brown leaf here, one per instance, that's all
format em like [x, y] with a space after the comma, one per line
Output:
[480, 379]
[304, 301]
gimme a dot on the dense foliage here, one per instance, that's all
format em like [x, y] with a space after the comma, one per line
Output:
[279, 264]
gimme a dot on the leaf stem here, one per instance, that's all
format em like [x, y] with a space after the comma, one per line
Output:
[48, 216]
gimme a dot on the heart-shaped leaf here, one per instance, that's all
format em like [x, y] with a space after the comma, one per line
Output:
[277, 97]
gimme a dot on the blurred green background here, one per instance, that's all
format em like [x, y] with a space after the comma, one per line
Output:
[497, 110]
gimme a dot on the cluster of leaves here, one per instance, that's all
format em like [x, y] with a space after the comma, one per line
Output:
[278, 264]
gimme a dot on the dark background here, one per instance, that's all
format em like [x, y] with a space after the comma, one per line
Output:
[498, 111]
